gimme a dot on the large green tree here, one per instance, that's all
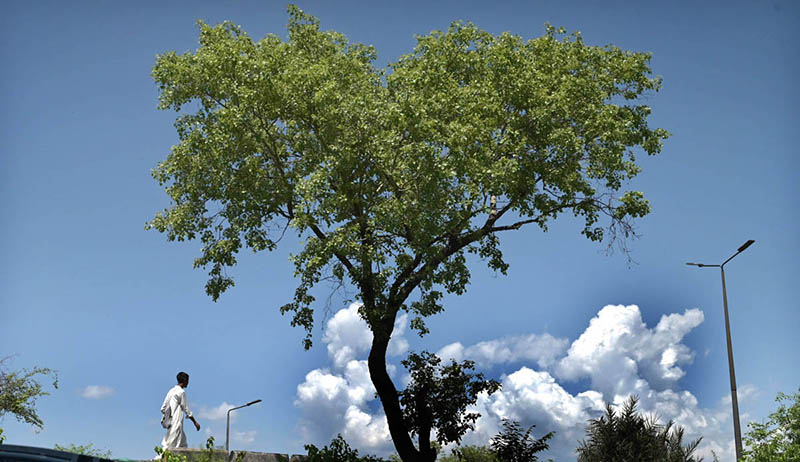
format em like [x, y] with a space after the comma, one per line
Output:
[392, 176]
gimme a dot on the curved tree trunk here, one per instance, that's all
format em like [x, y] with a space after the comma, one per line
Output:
[390, 400]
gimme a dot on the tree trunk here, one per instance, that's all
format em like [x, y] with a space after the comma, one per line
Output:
[390, 399]
[425, 422]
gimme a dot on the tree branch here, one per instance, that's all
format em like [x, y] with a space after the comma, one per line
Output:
[323, 237]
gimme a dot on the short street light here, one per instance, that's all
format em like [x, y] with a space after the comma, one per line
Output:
[228, 425]
[737, 432]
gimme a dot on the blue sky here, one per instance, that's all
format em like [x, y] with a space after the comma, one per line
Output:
[85, 290]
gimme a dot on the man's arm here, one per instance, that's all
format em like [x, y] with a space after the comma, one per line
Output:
[196, 425]
[188, 413]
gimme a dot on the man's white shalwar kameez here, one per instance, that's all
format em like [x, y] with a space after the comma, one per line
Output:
[174, 410]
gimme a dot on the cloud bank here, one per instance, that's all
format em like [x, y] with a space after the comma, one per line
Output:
[617, 355]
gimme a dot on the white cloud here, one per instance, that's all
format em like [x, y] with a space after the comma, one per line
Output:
[618, 350]
[215, 413]
[97, 392]
[245, 437]
[534, 398]
[618, 353]
[333, 403]
[340, 400]
[348, 336]
[543, 349]
[365, 430]
[745, 392]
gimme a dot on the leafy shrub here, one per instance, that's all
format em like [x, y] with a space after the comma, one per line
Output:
[512, 445]
[338, 451]
[777, 440]
[87, 450]
[470, 454]
[628, 436]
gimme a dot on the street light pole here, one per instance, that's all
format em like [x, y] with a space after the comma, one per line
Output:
[737, 432]
[228, 424]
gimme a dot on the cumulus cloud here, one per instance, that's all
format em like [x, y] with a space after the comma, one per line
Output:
[338, 402]
[245, 437]
[618, 354]
[534, 398]
[215, 413]
[541, 349]
[97, 392]
[348, 336]
[342, 399]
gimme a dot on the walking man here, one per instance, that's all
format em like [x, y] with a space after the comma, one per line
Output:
[173, 411]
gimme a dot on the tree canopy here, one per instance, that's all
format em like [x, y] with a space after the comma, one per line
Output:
[391, 176]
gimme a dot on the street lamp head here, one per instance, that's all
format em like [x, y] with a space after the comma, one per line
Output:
[253, 402]
[746, 245]
[696, 264]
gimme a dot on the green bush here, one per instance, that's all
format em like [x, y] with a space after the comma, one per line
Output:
[470, 454]
[87, 450]
[777, 440]
[338, 451]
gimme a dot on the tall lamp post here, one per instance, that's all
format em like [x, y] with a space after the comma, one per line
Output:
[737, 432]
[228, 425]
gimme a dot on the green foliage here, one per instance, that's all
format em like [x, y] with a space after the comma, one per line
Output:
[512, 445]
[19, 391]
[628, 436]
[392, 175]
[338, 451]
[2, 436]
[207, 456]
[437, 397]
[470, 454]
[777, 440]
[87, 450]
[164, 455]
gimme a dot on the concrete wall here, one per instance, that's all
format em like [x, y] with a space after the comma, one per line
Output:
[197, 455]
[250, 456]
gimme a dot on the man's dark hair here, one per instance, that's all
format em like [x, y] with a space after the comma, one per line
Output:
[183, 377]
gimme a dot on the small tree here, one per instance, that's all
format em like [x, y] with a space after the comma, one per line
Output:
[19, 391]
[437, 398]
[337, 451]
[391, 177]
[777, 440]
[470, 453]
[512, 445]
[627, 436]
